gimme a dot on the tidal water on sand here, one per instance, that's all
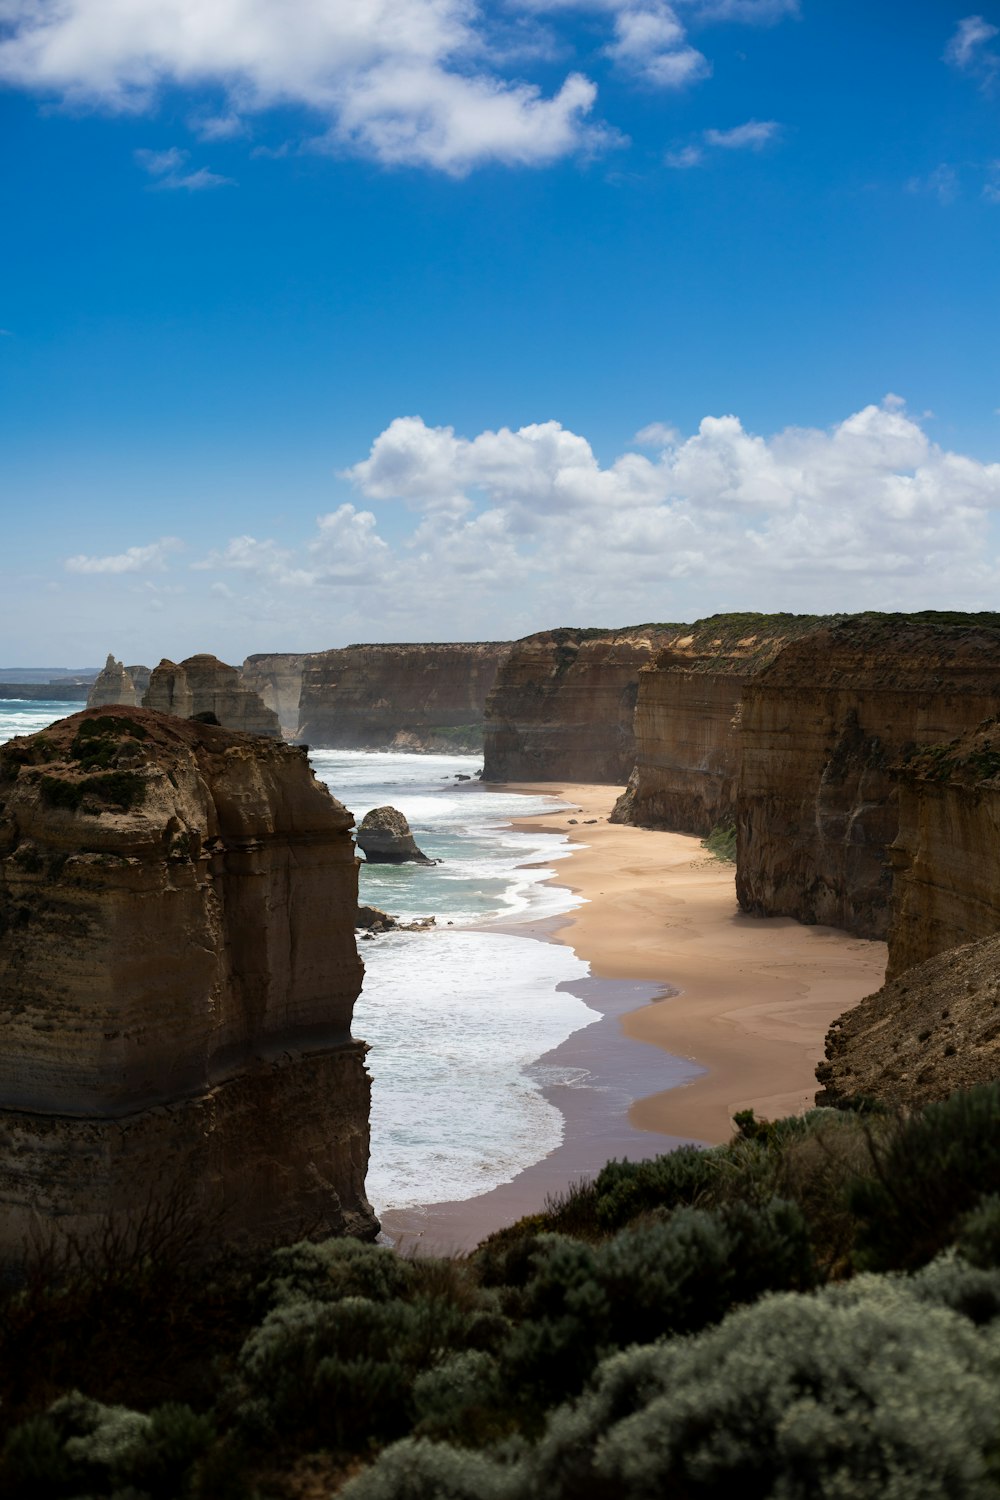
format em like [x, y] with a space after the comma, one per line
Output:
[457, 1016]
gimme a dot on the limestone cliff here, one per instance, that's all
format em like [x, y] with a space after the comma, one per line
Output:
[277, 679]
[821, 728]
[399, 697]
[946, 855]
[112, 685]
[178, 973]
[687, 720]
[562, 708]
[204, 685]
[934, 1029]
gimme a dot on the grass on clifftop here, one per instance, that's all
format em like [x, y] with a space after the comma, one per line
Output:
[815, 1305]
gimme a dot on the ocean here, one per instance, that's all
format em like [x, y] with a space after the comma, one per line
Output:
[460, 1017]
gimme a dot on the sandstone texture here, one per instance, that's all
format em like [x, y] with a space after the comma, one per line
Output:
[563, 705]
[112, 685]
[205, 685]
[178, 973]
[930, 1031]
[384, 838]
[399, 697]
[687, 720]
[822, 728]
[946, 855]
[277, 679]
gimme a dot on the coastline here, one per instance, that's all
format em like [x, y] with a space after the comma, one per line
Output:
[746, 1003]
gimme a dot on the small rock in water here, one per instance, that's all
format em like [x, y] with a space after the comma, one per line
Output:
[385, 839]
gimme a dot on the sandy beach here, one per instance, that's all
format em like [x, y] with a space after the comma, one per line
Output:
[747, 1003]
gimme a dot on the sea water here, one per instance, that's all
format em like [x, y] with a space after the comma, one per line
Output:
[457, 1016]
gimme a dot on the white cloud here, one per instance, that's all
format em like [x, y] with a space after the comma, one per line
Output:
[409, 82]
[167, 167]
[651, 45]
[685, 157]
[942, 184]
[969, 49]
[991, 187]
[134, 560]
[752, 136]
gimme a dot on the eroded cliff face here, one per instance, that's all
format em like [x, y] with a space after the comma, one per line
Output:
[931, 1030]
[946, 855]
[687, 720]
[399, 697]
[205, 685]
[563, 705]
[178, 973]
[277, 679]
[113, 684]
[822, 728]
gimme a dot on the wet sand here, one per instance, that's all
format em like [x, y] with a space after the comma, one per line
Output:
[744, 1027]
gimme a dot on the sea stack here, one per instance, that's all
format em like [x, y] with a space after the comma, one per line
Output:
[384, 838]
[178, 973]
[205, 685]
[112, 685]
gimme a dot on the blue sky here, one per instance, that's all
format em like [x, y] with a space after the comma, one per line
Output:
[416, 319]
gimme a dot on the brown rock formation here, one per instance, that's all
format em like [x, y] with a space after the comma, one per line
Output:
[384, 838]
[205, 685]
[946, 856]
[821, 728]
[140, 676]
[398, 697]
[563, 705]
[177, 978]
[934, 1029]
[277, 679]
[112, 685]
[687, 720]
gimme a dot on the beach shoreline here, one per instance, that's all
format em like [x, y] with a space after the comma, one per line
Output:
[746, 1005]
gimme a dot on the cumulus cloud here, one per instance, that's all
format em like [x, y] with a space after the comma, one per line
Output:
[969, 49]
[513, 529]
[429, 83]
[134, 560]
[942, 184]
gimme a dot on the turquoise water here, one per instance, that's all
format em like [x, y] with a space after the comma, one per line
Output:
[458, 1016]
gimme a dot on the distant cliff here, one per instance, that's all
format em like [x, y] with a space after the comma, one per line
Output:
[405, 697]
[822, 727]
[178, 973]
[563, 705]
[687, 729]
[277, 679]
[204, 685]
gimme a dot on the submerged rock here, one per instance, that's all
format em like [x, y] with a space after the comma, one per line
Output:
[384, 837]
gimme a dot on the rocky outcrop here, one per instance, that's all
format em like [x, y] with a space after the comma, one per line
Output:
[384, 838]
[140, 676]
[930, 1031]
[946, 855]
[113, 685]
[178, 973]
[399, 697]
[687, 721]
[822, 728]
[206, 685]
[277, 679]
[563, 705]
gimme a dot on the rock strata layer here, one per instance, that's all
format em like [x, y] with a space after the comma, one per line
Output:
[113, 684]
[178, 973]
[930, 1031]
[946, 855]
[399, 697]
[687, 720]
[563, 705]
[384, 838]
[277, 679]
[822, 728]
[204, 685]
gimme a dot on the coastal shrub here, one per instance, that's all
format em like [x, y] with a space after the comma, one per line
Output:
[674, 1276]
[624, 1189]
[122, 789]
[927, 1172]
[326, 1270]
[950, 1281]
[34, 1461]
[416, 1469]
[460, 1398]
[832, 1396]
[979, 1233]
[722, 841]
